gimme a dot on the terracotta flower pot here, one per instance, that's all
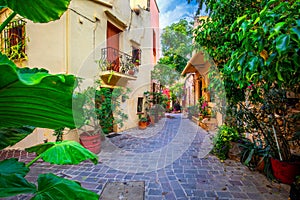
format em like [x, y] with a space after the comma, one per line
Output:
[91, 142]
[131, 72]
[285, 172]
[142, 125]
[261, 164]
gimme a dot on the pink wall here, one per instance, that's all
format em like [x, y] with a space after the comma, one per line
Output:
[154, 14]
[155, 25]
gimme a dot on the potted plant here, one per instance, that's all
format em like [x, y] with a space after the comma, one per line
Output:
[86, 119]
[255, 156]
[128, 67]
[273, 121]
[132, 69]
[50, 108]
[104, 65]
[279, 125]
[98, 113]
[143, 123]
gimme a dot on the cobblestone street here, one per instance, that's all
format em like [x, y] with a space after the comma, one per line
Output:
[173, 161]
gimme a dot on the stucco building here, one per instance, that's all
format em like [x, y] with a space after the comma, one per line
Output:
[197, 82]
[122, 34]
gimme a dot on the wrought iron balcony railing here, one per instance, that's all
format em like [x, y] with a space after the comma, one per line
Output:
[115, 60]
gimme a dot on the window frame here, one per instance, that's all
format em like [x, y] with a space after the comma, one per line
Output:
[136, 54]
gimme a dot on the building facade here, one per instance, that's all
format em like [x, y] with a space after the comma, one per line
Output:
[197, 82]
[95, 40]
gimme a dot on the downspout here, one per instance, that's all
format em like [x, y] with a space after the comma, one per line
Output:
[67, 52]
[94, 36]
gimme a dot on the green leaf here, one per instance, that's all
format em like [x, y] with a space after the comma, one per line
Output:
[271, 58]
[233, 26]
[249, 157]
[10, 136]
[296, 59]
[271, 2]
[63, 153]
[12, 166]
[282, 42]
[51, 186]
[278, 26]
[298, 22]
[14, 184]
[279, 76]
[263, 11]
[242, 58]
[239, 19]
[41, 11]
[272, 35]
[250, 76]
[257, 20]
[35, 99]
[3, 3]
[12, 181]
[244, 26]
[296, 31]
[253, 63]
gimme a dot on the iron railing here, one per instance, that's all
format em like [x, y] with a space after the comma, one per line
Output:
[13, 39]
[113, 59]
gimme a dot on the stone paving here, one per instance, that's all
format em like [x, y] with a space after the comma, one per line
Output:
[172, 159]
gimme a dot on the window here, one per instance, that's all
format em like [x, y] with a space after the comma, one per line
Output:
[136, 56]
[140, 105]
[13, 40]
[154, 44]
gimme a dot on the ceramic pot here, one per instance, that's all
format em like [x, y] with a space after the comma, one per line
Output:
[284, 171]
[91, 142]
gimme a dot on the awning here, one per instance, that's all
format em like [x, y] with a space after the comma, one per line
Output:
[198, 63]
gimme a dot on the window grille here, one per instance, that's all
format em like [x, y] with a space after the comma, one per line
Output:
[13, 39]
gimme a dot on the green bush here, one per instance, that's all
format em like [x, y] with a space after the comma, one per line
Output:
[108, 108]
[222, 140]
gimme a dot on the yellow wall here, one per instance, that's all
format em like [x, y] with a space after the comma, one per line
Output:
[73, 43]
[46, 47]
[139, 3]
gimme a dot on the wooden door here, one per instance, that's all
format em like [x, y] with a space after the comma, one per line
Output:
[113, 46]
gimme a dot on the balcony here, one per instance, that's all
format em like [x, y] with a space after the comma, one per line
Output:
[117, 67]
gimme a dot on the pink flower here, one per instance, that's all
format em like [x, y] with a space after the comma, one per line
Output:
[250, 86]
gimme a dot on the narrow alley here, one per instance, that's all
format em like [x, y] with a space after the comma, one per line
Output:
[171, 160]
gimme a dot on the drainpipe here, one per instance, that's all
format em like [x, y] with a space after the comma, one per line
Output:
[67, 52]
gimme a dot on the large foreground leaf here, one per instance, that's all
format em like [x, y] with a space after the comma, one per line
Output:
[51, 186]
[36, 99]
[12, 181]
[38, 10]
[63, 153]
[10, 136]
[12, 166]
